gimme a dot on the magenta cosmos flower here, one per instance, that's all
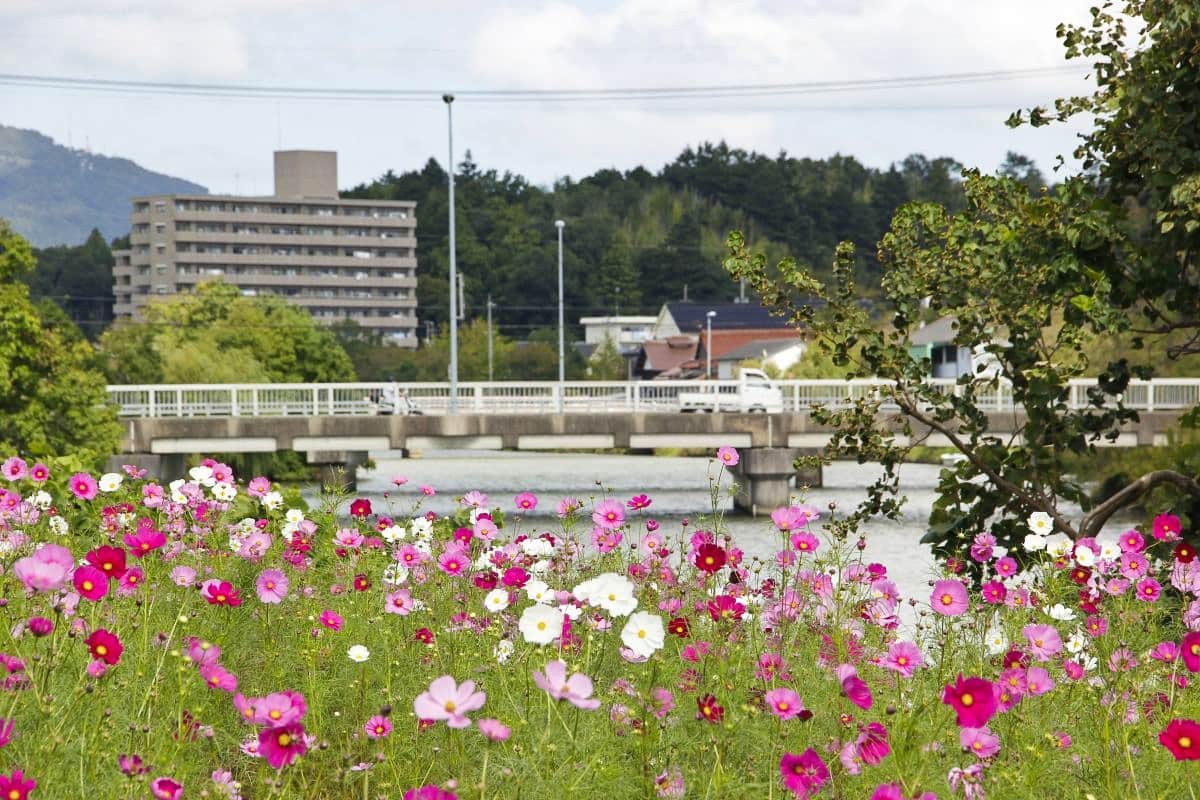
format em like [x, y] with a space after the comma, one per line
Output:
[46, 570]
[429, 792]
[609, 515]
[526, 501]
[83, 486]
[282, 745]
[854, 687]
[165, 788]
[804, 774]
[377, 727]
[446, 700]
[272, 586]
[1189, 651]
[576, 690]
[91, 583]
[949, 598]
[973, 700]
[728, 456]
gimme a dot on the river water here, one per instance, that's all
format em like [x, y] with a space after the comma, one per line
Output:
[677, 486]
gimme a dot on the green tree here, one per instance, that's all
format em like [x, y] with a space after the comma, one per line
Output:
[79, 280]
[52, 400]
[1036, 280]
[606, 362]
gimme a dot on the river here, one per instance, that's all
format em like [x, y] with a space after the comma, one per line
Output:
[677, 487]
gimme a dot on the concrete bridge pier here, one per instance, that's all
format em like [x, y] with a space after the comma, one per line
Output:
[766, 477]
[339, 468]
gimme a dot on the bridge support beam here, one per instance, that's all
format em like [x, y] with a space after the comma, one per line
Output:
[339, 469]
[765, 478]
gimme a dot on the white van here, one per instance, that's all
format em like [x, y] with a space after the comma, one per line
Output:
[754, 393]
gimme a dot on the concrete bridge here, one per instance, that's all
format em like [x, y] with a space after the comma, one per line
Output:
[337, 425]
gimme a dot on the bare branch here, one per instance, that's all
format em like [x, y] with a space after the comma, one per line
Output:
[1094, 520]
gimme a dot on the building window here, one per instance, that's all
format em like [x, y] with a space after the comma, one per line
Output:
[160, 227]
[160, 207]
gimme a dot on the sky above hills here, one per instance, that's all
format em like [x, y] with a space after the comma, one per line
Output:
[226, 143]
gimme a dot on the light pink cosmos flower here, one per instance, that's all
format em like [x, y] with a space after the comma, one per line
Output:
[183, 576]
[272, 586]
[428, 491]
[378, 727]
[399, 602]
[526, 501]
[784, 703]
[475, 499]
[258, 487]
[567, 506]
[15, 469]
[1044, 641]
[447, 700]
[609, 514]
[217, 677]
[494, 729]
[1038, 681]
[904, 658]
[576, 690]
[980, 741]
[275, 710]
[728, 456]
[454, 561]
[47, 570]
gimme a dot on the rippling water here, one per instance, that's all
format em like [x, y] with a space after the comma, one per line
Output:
[678, 487]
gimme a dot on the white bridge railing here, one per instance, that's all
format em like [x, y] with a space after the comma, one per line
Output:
[542, 397]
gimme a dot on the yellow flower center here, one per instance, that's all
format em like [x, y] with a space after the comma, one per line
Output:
[284, 740]
[541, 626]
[783, 705]
[274, 714]
[88, 585]
[967, 700]
[1185, 741]
[101, 650]
[947, 599]
[641, 634]
[220, 598]
[450, 706]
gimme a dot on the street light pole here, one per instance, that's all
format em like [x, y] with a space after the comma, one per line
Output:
[489, 321]
[562, 358]
[708, 346]
[448, 99]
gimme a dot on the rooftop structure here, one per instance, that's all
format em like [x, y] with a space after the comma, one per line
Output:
[339, 259]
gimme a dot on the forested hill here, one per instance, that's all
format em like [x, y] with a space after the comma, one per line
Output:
[636, 239]
[57, 195]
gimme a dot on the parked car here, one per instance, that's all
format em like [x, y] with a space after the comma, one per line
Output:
[754, 392]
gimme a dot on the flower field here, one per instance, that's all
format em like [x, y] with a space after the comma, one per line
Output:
[206, 637]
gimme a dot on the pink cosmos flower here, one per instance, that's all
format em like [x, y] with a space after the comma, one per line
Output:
[145, 541]
[428, 491]
[46, 570]
[784, 703]
[258, 487]
[1038, 681]
[973, 700]
[805, 542]
[638, 502]
[453, 561]
[449, 701]
[15, 469]
[1189, 650]
[1044, 641]
[904, 657]
[1148, 590]
[165, 788]
[949, 598]
[804, 774]
[272, 586]
[1132, 542]
[1005, 567]
[217, 677]
[201, 652]
[979, 741]
[728, 456]
[84, 486]
[399, 602]
[39, 473]
[576, 690]
[475, 499]
[526, 501]
[331, 620]
[1167, 527]
[494, 729]
[854, 687]
[378, 727]
[485, 528]
[429, 792]
[1165, 652]
[282, 745]
[609, 514]
[183, 576]
[893, 791]
[994, 592]
[349, 538]
[567, 506]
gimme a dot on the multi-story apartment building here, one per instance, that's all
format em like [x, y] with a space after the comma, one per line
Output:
[340, 259]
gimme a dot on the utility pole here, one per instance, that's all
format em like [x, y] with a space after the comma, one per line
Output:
[462, 303]
[448, 99]
[562, 357]
[491, 376]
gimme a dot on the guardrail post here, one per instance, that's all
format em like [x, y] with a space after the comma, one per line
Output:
[233, 404]
[150, 402]
[316, 401]
[478, 393]
[332, 410]
[254, 401]
[1150, 395]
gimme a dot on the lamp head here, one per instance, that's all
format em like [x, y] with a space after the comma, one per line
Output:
[711, 314]
[558, 223]
[447, 99]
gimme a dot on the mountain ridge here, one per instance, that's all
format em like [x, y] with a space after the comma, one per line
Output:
[53, 194]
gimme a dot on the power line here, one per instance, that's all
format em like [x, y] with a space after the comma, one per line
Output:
[226, 90]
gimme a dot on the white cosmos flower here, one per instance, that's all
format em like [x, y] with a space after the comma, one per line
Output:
[1058, 545]
[224, 492]
[289, 530]
[610, 591]
[272, 500]
[110, 482]
[997, 642]
[421, 528]
[177, 496]
[1034, 542]
[1110, 547]
[393, 533]
[41, 500]
[294, 516]
[1041, 523]
[571, 611]
[395, 574]
[540, 624]
[538, 591]
[424, 546]
[202, 475]
[1060, 612]
[59, 525]
[537, 547]
[496, 600]
[540, 567]
[643, 634]
[1075, 643]
[503, 651]
[1084, 556]
[358, 653]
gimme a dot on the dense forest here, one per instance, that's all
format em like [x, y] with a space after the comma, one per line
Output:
[633, 239]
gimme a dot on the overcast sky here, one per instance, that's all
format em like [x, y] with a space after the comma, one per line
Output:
[459, 44]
